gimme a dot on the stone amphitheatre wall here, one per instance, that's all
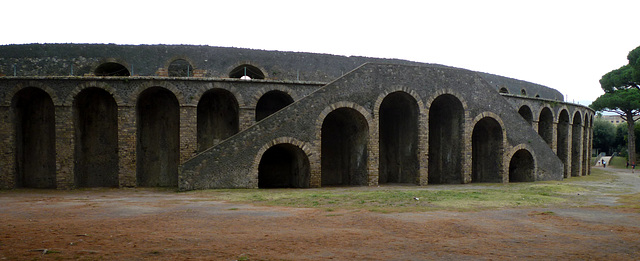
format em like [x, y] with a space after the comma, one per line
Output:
[178, 116]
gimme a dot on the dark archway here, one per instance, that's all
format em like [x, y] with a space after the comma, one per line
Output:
[586, 151]
[487, 148]
[446, 129]
[344, 152]
[503, 90]
[158, 121]
[521, 167]
[545, 125]
[399, 139]
[112, 69]
[284, 166]
[218, 117]
[526, 114]
[271, 102]
[576, 142]
[35, 141]
[96, 148]
[563, 140]
[246, 70]
[180, 68]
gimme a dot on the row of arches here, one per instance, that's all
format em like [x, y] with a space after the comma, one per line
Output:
[568, 141]
[345, 148]
[180, 68]
[96, 127]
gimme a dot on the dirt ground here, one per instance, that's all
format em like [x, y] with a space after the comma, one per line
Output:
[140, 224]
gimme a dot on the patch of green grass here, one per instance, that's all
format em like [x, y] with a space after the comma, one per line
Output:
[630, 201]
[617, 162]
[387, 200]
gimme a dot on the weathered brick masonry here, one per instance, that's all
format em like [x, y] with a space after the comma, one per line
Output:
[302, 120]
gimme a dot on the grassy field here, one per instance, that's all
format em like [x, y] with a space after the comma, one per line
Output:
[414, 198]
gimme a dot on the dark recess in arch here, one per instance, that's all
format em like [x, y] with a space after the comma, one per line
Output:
[486, 142]
[284, 166]
[545, 126]
[180, 68]
[526, 114]
[217, 117]
[446, 128]
[399, 139]
[246, 70]
[576, 141]
[96, 153]
[563, 141]
[344, 153]
[521, 167]
[34, 120]
[158, 122]
[112, 69]
[503, 90]
[271, 102]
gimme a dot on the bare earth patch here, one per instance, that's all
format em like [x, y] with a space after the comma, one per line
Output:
[139, 224]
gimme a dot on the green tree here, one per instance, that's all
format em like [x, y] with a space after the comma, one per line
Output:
[625, 77]
[604, 134]
[626, 103]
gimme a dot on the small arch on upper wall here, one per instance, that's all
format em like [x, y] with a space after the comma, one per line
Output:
[504, 90]
[248, 71]
[112, 67]
[180, 66]
[523, 92]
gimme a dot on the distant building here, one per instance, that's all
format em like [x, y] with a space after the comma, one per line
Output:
[615, 119]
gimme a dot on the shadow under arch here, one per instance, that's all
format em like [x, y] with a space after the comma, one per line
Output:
[35, 141]
[446, 131]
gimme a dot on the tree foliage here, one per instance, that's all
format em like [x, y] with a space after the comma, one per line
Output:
[627, 76]
[624, 102]
[604, 135]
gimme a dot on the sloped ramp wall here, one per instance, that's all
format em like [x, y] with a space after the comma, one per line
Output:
[234, 162]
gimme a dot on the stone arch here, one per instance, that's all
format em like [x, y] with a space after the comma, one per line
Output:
[247, 69]
[399, 121]
[523, 91]
[9, 98]
[95, 117]
[271, 102]
[180, 67]
[576, 144]
[563, 140]
[585, 145]
[158, 141]
[135, 97]
[446, 142]
[504, 90]
[112, 67]
[217, 117]
[237, 94]
[344, 138]
[522, 165]
[545, 125]
[101, 85]
[487, 146]
[35, 141]
[283, 162]
[526, 114]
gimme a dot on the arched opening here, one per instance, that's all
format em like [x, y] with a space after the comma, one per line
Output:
[503, 90]
[158, 121]
[526, 114]
[218, 117]
[446, 128]
[545, 125]
[487, 148]
[563, 140]
[344, 153]
[523, 92]
[399, 139]
[180, 68]
[96, 148]
[586, 151]
[35, 141]
[576, 142]
[521, 167]
[271, 102]
[246, 71]
[284, 166]
[112, 69]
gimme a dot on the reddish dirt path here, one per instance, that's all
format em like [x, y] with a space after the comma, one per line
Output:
[145, 224]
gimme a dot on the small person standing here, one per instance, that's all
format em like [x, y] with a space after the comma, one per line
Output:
[633, 167]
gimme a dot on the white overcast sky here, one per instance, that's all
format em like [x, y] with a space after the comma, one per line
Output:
[566, 45]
